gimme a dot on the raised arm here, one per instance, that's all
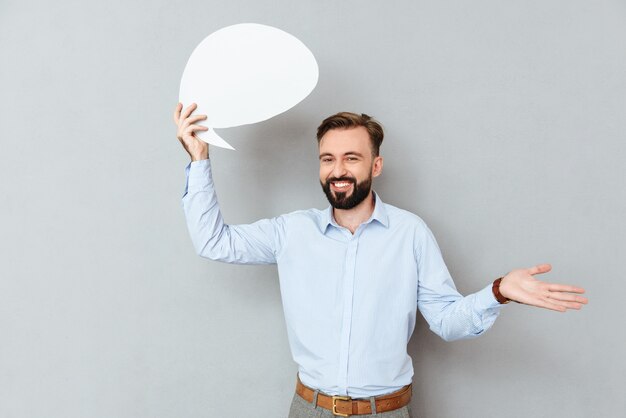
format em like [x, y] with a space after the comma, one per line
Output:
[256, 243]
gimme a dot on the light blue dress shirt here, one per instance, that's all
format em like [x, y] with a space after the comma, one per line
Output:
[349, 300]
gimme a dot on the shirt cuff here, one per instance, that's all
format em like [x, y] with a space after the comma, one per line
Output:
[485, 299]
[198, 175]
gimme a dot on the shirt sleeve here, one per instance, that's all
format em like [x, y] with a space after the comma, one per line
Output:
[255, 243]
[448, 313]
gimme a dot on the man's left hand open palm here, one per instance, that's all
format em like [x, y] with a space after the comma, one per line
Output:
[521, 286]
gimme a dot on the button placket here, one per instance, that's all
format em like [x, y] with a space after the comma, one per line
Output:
[346, 325]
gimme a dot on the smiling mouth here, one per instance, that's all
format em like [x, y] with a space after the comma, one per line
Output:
[341, 186]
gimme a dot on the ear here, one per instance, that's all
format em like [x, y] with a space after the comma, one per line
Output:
[377, 166]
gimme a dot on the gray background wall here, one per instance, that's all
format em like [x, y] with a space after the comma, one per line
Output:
[505, 131]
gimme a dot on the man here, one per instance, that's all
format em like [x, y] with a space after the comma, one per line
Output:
[352, 276]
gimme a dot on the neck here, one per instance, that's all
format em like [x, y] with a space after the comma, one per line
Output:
[352, 218]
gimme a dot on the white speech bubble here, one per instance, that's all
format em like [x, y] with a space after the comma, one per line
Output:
[244, 74]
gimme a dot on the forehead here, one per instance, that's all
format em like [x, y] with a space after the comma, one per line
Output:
[340, 141]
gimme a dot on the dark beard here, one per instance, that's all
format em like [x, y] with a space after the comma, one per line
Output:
[339, 200]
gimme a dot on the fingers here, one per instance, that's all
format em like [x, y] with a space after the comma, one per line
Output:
[186, 123]
[562, 296]
[552, 305]
[179, 107]
[540, 268]
[567, 297]
[565, 288]
[564, 304]
[182, 127]
[192, 128]
[178, 117]
[190, 131]
[194, 119]
[183, 120]
[557, 301]
[188, 111]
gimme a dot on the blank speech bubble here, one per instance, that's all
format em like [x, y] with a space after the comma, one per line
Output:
[244, 74]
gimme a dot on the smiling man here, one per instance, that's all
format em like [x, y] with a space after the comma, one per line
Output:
[353, 276]
[349, 158]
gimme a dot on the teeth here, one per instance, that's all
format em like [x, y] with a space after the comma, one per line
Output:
[341, 184]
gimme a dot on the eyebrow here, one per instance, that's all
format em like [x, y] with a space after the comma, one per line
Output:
[328, 154]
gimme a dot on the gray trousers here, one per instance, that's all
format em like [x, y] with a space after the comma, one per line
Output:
[303, 409]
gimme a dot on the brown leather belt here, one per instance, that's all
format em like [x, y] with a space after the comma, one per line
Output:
[345, 406]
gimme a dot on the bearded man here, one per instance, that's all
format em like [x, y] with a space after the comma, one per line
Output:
[352, 276]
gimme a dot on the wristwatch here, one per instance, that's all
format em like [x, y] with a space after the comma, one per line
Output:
[496, 291]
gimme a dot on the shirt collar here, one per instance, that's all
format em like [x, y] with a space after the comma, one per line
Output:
[379, 214]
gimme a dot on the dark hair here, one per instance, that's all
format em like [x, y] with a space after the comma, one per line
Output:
[345, 120]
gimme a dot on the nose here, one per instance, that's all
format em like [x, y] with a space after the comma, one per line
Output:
[339, 170]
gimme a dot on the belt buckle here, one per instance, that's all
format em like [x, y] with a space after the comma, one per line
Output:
[340, 398]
